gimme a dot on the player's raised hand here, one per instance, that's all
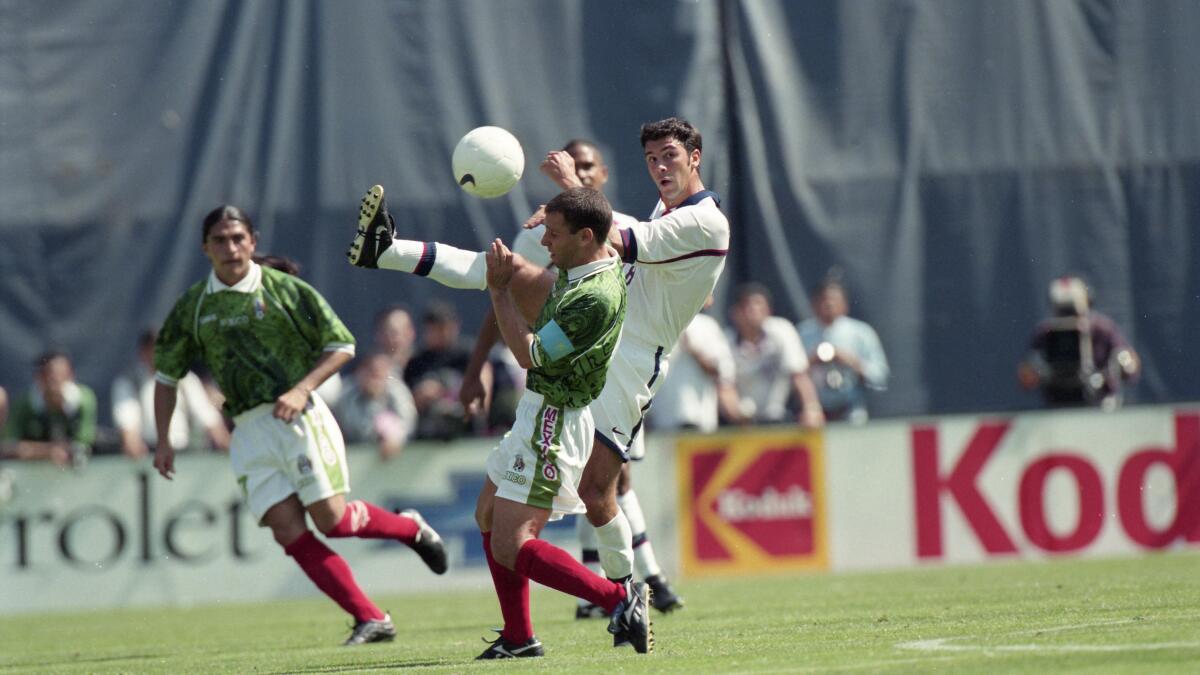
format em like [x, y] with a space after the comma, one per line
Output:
[499, 266]
[164, 460]
[559, 166]
[536, 219]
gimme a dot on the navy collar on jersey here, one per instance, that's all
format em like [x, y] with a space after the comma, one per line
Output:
[693, 200]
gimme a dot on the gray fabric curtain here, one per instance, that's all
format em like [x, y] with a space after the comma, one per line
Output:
[951, 156]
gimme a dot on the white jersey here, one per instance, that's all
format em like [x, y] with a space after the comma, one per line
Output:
[528, 243]
[673, 263]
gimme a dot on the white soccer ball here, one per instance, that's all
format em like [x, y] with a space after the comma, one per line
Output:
[488, 162]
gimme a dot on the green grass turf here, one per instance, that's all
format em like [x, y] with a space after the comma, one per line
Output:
[1109, 616]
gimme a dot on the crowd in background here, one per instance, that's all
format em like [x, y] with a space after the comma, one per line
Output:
[404, 385]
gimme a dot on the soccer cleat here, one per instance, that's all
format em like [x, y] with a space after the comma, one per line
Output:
[375, 230]
[664, 599]
[503, 649]
[587, 610]
[428, 543]
[630, 621]
[382, 630]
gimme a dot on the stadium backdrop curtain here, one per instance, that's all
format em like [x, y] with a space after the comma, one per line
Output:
[951, 156]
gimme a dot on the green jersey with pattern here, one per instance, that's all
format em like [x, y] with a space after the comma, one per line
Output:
[576, 333]
[258, 338]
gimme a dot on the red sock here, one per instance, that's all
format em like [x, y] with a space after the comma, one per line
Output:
[367, 521]
[512, 590]
[551, 566]
[332, 575]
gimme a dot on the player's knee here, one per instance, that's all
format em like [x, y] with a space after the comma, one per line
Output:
[286, 535]
[505, 550]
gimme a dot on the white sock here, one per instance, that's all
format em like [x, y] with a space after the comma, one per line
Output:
[589, 548]
[616, 547]
[643, 553]
[587, 542]
[445, 264]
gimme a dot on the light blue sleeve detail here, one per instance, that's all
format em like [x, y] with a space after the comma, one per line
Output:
[554, 341]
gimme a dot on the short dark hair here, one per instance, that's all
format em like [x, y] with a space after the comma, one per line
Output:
[580, 143]
[833, 279]
[583, 207]
[225, 212]
[49, 355]
[751, 289]
[383, 314]
[673, 127]
[439, 311]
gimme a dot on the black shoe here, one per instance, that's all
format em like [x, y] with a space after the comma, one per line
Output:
[630, 623]
[589, 611]
[428, 544]
[375, 230]
[382, 630]
[503, 649]
[664, 599]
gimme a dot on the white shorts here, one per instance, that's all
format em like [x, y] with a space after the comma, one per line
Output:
[540, 460]
[635, 374]
[273, 459]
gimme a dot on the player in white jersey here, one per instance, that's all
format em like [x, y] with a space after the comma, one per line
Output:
[579, 163]
[672, 264]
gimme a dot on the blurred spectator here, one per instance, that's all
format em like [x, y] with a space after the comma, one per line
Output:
[395, 336]
[435, 374]
[3, 410]
[845, 354]
[700, 388]
[7, 480]
[133, 408]
[56, 419]
[1078, 357]
[770, 361]
[377, 407]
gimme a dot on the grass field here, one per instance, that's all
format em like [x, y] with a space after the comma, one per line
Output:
[1112, 616]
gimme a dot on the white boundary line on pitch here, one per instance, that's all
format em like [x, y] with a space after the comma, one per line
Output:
[940, 644]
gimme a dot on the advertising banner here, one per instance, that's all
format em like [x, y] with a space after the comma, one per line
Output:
[969, 489]
[751, 503]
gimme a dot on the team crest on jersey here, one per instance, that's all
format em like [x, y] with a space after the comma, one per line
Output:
[304, 465]
[519, 464]
[260, 308]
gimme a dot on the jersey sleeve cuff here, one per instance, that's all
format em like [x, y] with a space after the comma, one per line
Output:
[629, 242]
[345, 347]
[164, 379]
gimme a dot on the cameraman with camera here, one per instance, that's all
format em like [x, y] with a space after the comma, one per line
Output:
[1078, 357]
[846, 354]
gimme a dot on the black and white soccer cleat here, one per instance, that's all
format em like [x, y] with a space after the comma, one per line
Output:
[665, 599]
[428, 544]
[503, 649]
[382, 630]
[376, 229]
[630, 622]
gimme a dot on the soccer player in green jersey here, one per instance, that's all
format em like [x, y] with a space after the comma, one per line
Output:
[270, 340]
[534, 472]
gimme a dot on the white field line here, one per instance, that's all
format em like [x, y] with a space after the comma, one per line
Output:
[942, 644]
